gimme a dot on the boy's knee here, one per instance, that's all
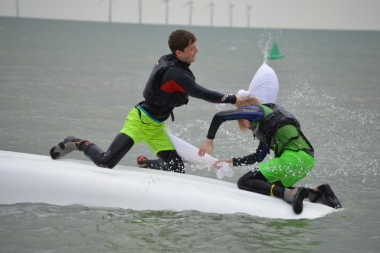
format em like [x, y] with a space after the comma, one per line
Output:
[240, 184]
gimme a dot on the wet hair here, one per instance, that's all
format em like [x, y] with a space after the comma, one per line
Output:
[247, 101]
[180, 39]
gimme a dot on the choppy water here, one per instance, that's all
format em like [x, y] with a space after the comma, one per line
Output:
[60, 77]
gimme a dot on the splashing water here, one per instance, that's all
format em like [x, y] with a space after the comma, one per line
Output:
[266, 39]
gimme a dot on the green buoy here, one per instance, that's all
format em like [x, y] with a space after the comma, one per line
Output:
[275, 52]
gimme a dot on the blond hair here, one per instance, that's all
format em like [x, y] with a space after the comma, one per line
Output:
[247, 101]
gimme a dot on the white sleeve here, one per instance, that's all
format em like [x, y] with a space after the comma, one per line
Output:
[189, 154]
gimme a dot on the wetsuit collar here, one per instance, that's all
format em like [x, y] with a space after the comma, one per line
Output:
[181, 63]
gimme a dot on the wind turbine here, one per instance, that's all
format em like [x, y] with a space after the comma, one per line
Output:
[249, 7]
[140, 11]
[17, 7]
[231, 11]
[167, 11]
[211, 6]
[190, 3]
[109, 10]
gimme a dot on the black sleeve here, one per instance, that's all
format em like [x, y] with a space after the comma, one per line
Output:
[257, 157]
[251, 113]
[188, 84]
[245, 160]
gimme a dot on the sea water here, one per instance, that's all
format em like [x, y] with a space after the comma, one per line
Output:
[62, 77]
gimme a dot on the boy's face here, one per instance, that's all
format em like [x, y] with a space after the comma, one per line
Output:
[188, 54]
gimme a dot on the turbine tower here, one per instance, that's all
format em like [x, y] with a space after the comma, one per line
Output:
[231, 11]
[17, 8]
[167, 11]
[140, 11]
[109, 10]
[211, 6]
[190, 3]
[249, 7]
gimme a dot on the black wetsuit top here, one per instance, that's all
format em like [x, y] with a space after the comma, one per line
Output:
[177, 78]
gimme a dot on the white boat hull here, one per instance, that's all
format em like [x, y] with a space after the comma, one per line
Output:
[39, 179]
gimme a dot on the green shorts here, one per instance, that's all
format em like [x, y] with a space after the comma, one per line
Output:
[142, 127]
[289, 168]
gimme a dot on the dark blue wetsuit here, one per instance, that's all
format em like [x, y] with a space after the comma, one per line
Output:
[250, 113]
[264, 126]
[254, 180]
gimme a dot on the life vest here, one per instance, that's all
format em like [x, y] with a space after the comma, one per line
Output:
[154, 96]
[265, 131]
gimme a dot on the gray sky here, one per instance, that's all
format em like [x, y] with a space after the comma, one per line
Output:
[298, 14]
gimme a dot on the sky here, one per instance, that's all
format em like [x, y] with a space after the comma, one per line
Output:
[293, 14]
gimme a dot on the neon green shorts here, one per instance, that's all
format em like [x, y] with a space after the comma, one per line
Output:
[289, 168]
[142, 127]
